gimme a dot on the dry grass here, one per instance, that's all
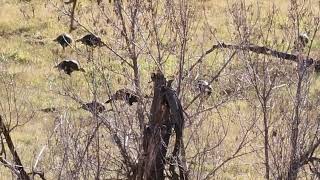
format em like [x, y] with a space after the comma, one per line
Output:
[32, 63]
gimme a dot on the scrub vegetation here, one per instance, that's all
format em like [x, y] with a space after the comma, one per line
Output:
[159, 89]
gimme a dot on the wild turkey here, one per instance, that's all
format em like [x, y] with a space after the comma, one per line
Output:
[303, 39]
[64, 40]
[300, 43]
[49, 109]
[204, 87]
[126, 95]
[93, 106]
[90, 40]
[68, 66]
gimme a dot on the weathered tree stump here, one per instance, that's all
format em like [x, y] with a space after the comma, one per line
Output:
[166, 114]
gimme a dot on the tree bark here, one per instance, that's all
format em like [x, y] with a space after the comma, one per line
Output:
[156, 136]
[166, 114]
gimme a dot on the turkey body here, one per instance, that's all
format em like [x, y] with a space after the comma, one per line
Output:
[64, 40]
[126, 95]
[93, 106]
[90, 40]
[69, 66]
[204, 87]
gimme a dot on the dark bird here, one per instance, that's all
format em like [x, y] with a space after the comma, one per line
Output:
[64, 40]
[93, 106]
[126, 95]
[68, 66]
[91, 40]
[300, 43]
[204, 87]
[49, 109]
[303, 39]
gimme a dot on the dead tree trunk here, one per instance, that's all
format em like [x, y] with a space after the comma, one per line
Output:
[166, 114]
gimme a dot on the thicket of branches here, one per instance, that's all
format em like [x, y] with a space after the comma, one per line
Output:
[264, 103]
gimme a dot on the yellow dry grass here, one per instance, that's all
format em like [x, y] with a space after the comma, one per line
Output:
[32, 64]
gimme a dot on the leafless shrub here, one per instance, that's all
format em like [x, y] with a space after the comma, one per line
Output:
[263, 103]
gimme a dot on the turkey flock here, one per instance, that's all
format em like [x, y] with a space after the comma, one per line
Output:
[69, 66]
[127, 95]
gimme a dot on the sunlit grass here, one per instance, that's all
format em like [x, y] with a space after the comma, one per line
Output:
[33, 66]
